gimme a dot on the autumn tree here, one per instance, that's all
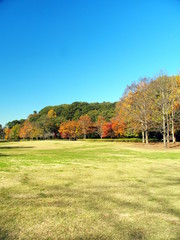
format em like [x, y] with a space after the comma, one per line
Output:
[36, 132]
[30, 130]
[107, 130]
[25, 130]
[166, 90]
[175, 105]
[140, 110]
[122, 122]
[161, 88]
[7, 132]
[69, 129]
[118, 127]
[14, 134]
[99, 124]
[85, 125]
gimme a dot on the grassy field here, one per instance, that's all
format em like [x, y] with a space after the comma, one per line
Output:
[88, 190]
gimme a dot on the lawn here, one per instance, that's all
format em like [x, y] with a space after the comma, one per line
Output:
[88, 190]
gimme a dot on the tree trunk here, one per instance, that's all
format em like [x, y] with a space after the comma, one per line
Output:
[143, 141]
[164, 129]
[146, 133]
[172, 122]
[147, 139]
[167, 122]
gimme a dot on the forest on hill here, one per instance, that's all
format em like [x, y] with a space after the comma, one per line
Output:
[148, 108]
[46, 122]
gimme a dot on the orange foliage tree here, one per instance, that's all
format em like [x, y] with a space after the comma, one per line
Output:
[7, 132]
[85, 125]
[99, 124]
[122, 119]
[118, 127]
[69, 129]
[25, 131]
[107, 130]
[30, 130]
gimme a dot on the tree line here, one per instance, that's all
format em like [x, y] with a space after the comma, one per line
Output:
[151, 105]
[148, 108]
[46, 123]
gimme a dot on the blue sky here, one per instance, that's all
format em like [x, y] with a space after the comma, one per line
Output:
[61, 51]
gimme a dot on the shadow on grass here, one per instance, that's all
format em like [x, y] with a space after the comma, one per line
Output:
[173, 181]
[4, 155]
[3, 234]
[97, 200]
[92, 197]
[9, 155]
[14, 147]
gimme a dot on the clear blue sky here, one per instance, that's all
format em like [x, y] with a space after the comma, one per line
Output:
[61, 51]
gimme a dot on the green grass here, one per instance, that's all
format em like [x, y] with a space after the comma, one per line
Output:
[88, 190]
